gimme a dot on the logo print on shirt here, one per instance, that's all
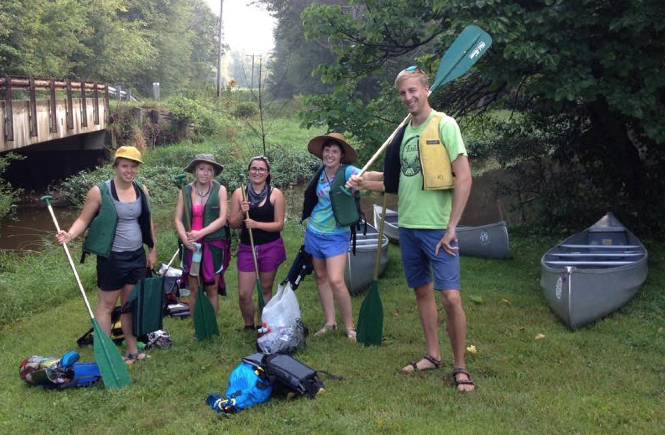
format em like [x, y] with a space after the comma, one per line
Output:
[410, 158]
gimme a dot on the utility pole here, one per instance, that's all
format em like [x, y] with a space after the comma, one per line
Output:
[219, 51]
[251, 86]
[263, 132]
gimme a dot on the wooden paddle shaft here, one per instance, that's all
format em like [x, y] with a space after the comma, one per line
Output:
[71, 263]
[380, 242]
[251, 237]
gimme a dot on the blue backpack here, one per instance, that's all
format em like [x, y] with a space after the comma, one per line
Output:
[248, 386]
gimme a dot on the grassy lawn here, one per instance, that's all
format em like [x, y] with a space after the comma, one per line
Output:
[606, 378]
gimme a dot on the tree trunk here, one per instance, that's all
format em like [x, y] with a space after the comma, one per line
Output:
[608, 141]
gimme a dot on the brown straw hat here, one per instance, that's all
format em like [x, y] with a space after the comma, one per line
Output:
[315, 146]
[204, 158]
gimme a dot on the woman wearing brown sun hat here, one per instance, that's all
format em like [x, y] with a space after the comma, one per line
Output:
[200, 218]
[327, 238]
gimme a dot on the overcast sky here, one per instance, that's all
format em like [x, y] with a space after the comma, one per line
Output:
[246, 28]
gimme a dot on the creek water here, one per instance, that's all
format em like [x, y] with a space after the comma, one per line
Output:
[32, 223]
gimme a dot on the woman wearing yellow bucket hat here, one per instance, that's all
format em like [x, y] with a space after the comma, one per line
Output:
[120, 203]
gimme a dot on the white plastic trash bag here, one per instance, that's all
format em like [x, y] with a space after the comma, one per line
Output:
[282, 310]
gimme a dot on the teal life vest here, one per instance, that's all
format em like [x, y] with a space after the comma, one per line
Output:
[101, 230]
[210, 211]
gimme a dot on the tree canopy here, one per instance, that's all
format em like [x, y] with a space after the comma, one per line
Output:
[588, 67]
[130, 42]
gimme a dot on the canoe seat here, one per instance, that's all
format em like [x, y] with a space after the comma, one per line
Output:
[600, 247]
[607, 236]
[598, 254]
[588, 263]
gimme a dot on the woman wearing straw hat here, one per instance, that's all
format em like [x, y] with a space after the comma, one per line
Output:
[120, 203]
[325, 239]
[266, 207]
[204, 204]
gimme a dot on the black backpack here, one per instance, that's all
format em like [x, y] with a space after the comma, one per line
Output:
[291, 375]
[116, 331]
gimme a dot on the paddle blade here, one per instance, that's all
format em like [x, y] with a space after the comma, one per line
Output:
[205, 321]
[259, 289]
[370, 318]
[469, 46]
[111, 366]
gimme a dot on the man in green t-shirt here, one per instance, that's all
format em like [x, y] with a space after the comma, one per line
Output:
[428, 220]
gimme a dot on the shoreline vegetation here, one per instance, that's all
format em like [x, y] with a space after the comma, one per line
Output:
[606, 378]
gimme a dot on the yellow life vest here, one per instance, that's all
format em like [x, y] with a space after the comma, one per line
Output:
[434, 159]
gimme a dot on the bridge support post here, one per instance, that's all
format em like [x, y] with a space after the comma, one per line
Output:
[9, 114]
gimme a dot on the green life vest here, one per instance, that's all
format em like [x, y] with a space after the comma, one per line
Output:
[210, 211]
[345, 207]
[101, 231]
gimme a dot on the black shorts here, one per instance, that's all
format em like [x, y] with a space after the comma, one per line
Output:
[120, 268]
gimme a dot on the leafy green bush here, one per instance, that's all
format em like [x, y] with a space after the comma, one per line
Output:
[288, 167]
[245, 110]
[157, 178]
[204, 119]
[8, 194]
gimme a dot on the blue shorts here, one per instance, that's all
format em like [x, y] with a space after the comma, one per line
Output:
[417, 247]
[326, 245]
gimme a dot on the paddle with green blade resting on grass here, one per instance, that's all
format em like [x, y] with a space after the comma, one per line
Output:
[111, 366]
[259, 288]
[370, 318]
[204, 318]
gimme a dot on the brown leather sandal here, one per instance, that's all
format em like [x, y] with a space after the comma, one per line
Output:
[436, 364]
[458, 382]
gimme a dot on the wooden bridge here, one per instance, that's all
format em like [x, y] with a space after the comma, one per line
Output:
[65, 109]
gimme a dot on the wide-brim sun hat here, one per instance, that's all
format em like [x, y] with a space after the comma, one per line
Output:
[204, 158]
[129, 153]
[315, 146]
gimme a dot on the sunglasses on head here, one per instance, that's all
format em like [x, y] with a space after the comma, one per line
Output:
[414, 68]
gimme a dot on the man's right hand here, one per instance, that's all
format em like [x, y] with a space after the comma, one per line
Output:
[354, 182]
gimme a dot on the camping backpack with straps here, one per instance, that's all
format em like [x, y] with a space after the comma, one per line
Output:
[248, 386]
[116, 331]
[291, 375]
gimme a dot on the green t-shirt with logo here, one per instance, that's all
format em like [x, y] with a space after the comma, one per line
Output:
[418, 208]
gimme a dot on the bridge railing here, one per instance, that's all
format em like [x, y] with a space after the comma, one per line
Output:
[32, 85]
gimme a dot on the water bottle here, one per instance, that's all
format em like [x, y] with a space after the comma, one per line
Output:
[196, 260]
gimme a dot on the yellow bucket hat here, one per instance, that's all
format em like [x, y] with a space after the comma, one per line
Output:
[129, 153]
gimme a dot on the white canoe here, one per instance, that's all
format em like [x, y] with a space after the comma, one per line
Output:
[593, 273]
[390, 229]
[359, 272]
[487, 241]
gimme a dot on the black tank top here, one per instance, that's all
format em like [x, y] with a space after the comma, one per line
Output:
[264, 213]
